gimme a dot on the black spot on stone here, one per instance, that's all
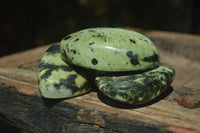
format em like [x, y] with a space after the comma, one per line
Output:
[146, 41]
[153, 58]
[129, 53]
[109, 64]
[74, 51]
[50, 68]
[100, 35]
[71, 78]
[76, 40]
[66, 38]
[57, 86]
[132, 41]
[69, 82]
[92, 50]
[46, 74]
[134, 60]
[54, 49]
[94, 61]
[91, 43]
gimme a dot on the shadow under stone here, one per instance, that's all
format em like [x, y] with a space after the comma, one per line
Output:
[51, 102]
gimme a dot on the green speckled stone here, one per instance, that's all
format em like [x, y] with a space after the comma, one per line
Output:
[105, 53]
[137, 88]
[109, 49]
[56, 79]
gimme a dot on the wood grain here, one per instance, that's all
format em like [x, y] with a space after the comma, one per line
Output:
[22, 105]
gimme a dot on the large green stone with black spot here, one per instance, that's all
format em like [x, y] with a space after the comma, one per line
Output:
[109, 49]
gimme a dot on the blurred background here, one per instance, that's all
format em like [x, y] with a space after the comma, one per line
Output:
[27, 24]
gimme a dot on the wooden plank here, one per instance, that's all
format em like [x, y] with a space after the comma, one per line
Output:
[177, 43]
[22, 105]
[187, 70]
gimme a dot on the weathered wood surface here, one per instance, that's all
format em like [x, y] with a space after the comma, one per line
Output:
[22, 105]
